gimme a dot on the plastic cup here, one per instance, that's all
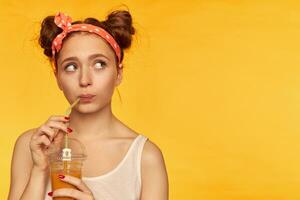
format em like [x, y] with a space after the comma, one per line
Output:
[60, 166]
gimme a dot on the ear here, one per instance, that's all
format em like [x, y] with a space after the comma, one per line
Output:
[119, 75]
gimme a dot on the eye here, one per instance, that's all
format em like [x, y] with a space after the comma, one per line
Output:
[100, 64]
[70, 66]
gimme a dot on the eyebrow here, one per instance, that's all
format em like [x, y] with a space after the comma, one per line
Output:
[92, 56]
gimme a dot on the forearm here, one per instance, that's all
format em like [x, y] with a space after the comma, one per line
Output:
[35, 189]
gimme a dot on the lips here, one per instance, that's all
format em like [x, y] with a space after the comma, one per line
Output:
[85, 98]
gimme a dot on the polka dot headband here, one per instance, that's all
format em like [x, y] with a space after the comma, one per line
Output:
[64, 22]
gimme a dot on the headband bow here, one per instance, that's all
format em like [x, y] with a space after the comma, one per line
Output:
[65, 23]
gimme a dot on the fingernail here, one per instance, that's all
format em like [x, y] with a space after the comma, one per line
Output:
[69, 130]
[50, 194]
[61, 176]
[67, 118]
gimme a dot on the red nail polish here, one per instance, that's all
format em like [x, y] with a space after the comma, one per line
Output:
[61, 176]
[67, 118]
[50, 194]
[69, 130]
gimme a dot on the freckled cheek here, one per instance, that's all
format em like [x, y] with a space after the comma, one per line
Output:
[105, 87]
[68, 86]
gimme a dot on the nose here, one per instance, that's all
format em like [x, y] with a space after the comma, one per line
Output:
[85, 78]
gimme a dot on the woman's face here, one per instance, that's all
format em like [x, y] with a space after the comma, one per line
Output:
[87, 65]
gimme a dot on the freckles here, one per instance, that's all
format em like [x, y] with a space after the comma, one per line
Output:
[105, 80]
[105, 88]
[68, 86]
[110, 83]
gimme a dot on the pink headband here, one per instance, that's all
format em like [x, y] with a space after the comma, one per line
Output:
[64, 22]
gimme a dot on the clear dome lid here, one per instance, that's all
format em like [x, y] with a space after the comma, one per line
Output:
[57, 151]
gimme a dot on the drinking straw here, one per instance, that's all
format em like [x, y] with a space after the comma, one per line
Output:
[67, 112]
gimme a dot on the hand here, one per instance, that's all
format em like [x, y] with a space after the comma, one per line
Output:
[41, 139]
[83, 192]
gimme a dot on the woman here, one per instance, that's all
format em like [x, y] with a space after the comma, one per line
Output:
[87, 63]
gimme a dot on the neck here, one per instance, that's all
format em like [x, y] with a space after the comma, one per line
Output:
[90, 125]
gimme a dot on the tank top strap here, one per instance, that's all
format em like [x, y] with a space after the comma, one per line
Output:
[140, 146]
[136, 148]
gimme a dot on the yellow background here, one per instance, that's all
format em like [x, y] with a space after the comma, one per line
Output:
[216, 84]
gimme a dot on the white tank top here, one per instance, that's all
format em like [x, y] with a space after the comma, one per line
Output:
[121, 183]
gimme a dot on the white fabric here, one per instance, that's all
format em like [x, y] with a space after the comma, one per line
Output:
[121, 183]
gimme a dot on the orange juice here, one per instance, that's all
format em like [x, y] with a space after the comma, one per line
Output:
[72, 168]
[65, 158]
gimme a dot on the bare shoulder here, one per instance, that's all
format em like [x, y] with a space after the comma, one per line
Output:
[154, 173]
[22, 142]
[21, 148]
[25, 136]
[21, 164]
[152, 153]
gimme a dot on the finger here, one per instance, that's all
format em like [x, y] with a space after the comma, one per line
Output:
[70, 192]
[58, 138]
[42, 140]
[58, 125]
[46, 130]
[58, 118]
[76, 182]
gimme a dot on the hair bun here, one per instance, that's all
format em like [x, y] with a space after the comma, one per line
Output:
[48, 32]
[119, 23]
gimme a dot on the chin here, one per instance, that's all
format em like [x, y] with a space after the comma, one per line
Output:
[86, 108]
